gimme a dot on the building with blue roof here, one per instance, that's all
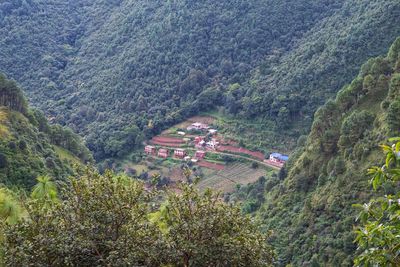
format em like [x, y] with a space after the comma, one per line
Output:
[278, 157]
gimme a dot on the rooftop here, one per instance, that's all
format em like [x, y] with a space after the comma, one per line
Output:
[280, 156]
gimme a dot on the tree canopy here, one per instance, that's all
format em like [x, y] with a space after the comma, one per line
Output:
[112, 220]
[103, 68]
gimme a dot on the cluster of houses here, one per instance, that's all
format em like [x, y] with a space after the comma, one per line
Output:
[201, 143]
[179, 153]
[204, 143]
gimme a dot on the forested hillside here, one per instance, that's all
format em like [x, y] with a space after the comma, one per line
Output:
[311, 210]
[116, 71]
[29, 146]
[293, 84]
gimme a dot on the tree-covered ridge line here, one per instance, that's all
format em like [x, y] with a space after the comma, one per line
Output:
[29, 145]
[112, 220]
[310, 208]
[150, 65]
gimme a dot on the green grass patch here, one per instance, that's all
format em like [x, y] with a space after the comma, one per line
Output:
[66, 155]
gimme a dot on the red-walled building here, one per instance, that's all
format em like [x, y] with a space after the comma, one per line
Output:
[163, 153]
[150, 150]
[199, 142]
[180, 153]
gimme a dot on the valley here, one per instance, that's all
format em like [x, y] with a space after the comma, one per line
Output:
[199, 133]
[201, 144]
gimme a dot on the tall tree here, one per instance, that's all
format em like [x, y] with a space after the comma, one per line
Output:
[201, 230]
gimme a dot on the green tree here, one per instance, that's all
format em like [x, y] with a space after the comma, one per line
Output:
[201, 230]
[378, 236]
[45, 189]
[393, 116]
[100, 222]
[11, 212]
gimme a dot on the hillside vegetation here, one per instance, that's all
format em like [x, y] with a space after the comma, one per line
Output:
[311, 209]
[119, 71]
[29, 145]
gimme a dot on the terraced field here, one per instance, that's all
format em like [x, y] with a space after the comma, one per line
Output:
[226, 180]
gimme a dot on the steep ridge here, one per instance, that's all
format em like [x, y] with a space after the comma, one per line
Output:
[311, 210]
[29, 145]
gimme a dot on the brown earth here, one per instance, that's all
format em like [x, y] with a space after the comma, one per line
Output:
[234, 149]
[211, 165]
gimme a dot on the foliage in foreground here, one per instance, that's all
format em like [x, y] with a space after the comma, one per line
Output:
[112, 220]
[379, 235]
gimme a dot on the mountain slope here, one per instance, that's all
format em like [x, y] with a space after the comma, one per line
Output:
[141, 60]
[325, 58]
[114, 69]
[310, 211]
[29, 146]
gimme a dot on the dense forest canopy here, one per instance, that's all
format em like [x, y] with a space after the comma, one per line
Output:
[114, 69]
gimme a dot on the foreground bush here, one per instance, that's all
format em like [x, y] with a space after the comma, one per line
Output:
[111, 220]
[378, 238]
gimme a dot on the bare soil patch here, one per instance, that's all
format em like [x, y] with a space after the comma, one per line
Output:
[211, 165]
[164, 139]
[233, 149]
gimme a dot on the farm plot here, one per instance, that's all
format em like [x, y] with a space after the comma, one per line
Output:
[166, 144]
[211, 165]
[216, 182]
[233, 149]
[167, 141]
[170, 140]
[242, 173]
[183, 125]
[226, 180]
[202, 119]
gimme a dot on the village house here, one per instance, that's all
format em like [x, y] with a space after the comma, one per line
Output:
[199, 142]
[150, 150]
[213, 144]
[278, 158]
[200, 154]
[163, 153]
[179, 153]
